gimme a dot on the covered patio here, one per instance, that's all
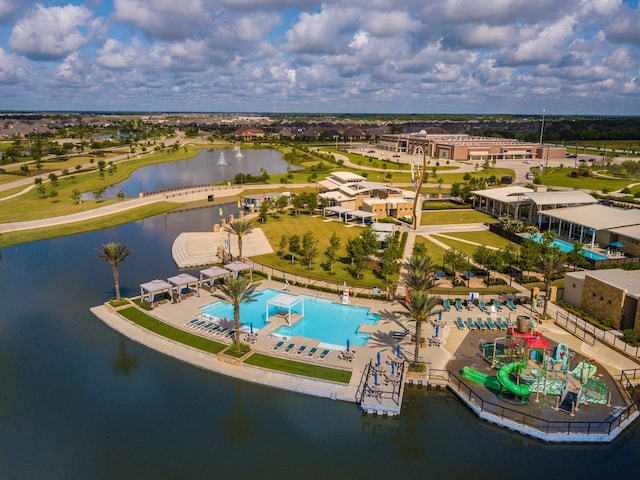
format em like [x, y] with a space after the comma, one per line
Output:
[363, 216]
[212, 274]
[150, 289]
[340, 211]
[237, 267]
[285, 302]
[182, 281]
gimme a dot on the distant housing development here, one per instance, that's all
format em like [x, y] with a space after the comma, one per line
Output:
[468, 147]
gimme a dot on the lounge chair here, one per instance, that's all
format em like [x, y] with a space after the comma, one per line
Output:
[398, 335]
[511, 306]
[490, 324]
[288, 348]
[221, 332]
[483, 307]
[481, 324]
[460, 323]
[212, 330]
[312, 352]
[229, 334]
[191, 322]
[300, 350]
[447, 305]
[197, 325]
[204, 327]
[277, 346]
[470, 323]
[497, 305]
[323, 354]
[459, 306]
[501, 324]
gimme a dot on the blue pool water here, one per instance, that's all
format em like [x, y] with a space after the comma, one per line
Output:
[568, 247]
[324, 320]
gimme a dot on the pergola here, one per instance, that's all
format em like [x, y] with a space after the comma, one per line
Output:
[153, 287]
[337, 210]
[183, 280]
[237, 267]
[362, 215]
[212, 274]
[284, 301]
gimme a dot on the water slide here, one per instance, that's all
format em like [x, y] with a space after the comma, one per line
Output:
[504, 377]
[488, 381]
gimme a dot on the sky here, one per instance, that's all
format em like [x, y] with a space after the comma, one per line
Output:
[335, 56]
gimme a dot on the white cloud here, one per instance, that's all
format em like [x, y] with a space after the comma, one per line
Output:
[360, 39]
[12, 68]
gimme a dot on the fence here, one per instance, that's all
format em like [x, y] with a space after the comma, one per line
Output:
[548, 428]
[583, 330]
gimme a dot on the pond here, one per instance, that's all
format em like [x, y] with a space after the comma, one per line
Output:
[210, 166]
[79, 401]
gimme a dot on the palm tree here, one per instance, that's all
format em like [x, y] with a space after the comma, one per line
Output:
[114, 253]
[550, 265]
[236, 291]
[239, 228]
[419, 274]
[419, 307]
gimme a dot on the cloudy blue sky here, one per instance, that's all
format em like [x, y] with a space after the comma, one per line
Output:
[369, 56]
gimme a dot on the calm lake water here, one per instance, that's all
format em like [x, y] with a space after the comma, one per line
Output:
[79, 402]
[203, 169]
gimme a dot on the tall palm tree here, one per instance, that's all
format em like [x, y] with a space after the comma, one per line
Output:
[236, 291]
[239, 228]
[419, 307]
[419, 274]
[114, 253]
[550, 265]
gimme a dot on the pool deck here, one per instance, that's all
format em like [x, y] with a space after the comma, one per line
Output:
[456, 348]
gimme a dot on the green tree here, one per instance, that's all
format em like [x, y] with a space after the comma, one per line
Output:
[114, 254]
[97, 193]
[40, 188]
[332, 251]
[509, 256]
[75, 195]
[239, 228]
[264, 211]
[550, 265]
[358, 255]
[456, 262]
[237, 290]
[309, 248]
[294, 246]
[370, 242]
[284, 243]
[36, 153]
[281, 203]
[388, 264]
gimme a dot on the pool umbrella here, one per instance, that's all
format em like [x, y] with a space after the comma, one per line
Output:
[378, 358]
[348, 345]
[398, 350]
[393, 367]
[375, 379]
[439, 316]
[617, 245]
[251, 328]
[437, 330]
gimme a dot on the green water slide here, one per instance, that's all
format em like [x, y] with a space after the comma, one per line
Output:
[504, 377]
[488, 381]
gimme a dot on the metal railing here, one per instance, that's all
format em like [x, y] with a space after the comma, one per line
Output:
[546, 427]
[589, 333]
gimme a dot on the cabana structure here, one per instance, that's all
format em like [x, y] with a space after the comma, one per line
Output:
[212, 274]
[155, 286]
[237, 267]
[286, 302]
[182, 280]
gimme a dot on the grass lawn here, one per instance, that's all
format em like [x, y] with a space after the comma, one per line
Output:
[559, 177]
[170, 332]
[33, 235]
[436, 252]
[449, 217]
[463, 247]
[299, 368]
[487, 238]
[322, 231]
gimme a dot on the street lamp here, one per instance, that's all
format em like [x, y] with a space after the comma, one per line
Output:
[542, 126]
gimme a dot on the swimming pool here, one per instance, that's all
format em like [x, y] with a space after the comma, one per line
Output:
[568, 247]
[325, 320]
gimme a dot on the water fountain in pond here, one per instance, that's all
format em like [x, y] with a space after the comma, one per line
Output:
[221, 161]
[238, 151]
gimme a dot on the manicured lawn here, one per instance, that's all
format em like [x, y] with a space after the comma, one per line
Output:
[487, 238]
[560, 177]
[170, 332]
[463, 247]
[436, 252]
[322, 231]
[449, 217]
[15, 238]
[299, 368]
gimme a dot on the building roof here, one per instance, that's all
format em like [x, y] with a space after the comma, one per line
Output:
[626, 280]
[504, 194]
[563, 197]
[383, 227]
[632, 231]
[348, 177]
[596, 217]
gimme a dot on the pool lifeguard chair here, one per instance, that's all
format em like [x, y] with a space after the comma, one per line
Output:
[345, 296]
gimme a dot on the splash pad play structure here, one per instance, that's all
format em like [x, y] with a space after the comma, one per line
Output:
[526, 364]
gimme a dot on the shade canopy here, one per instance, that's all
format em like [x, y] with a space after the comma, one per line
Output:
[286, 302]
[183, 280]
[212, 274]
[155, 286]
[617, 245]
[237, 267]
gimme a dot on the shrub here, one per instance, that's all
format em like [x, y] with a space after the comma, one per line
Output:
[630, 336]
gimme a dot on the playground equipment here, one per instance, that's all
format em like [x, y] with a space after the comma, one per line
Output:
[561, 356]
[502, 382]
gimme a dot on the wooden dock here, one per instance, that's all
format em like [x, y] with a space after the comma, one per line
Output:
[382, 388]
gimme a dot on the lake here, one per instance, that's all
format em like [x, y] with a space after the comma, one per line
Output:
[78, 401]
[202, 169]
